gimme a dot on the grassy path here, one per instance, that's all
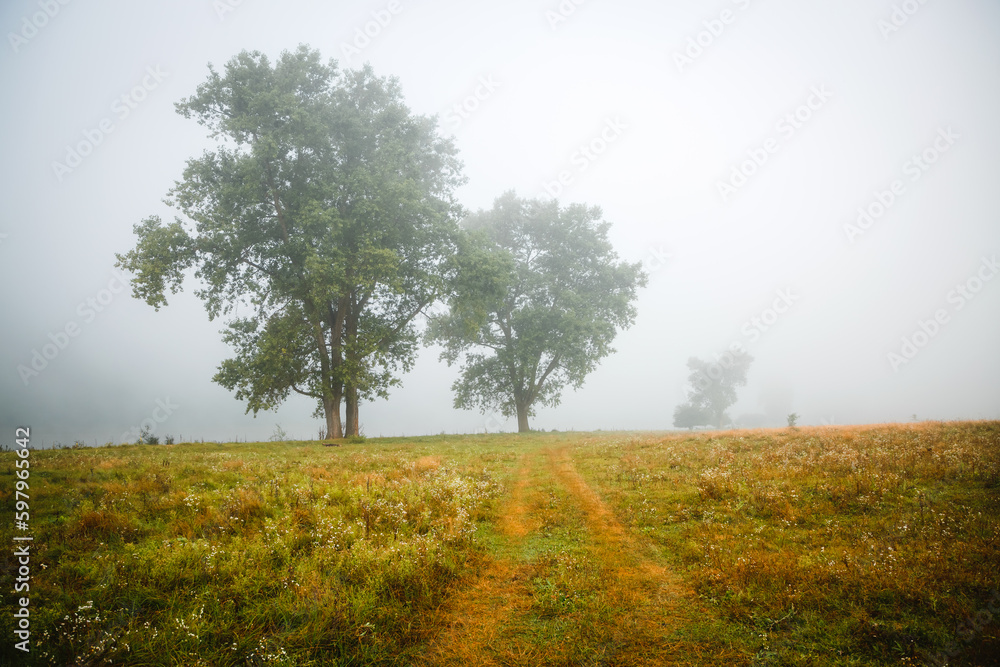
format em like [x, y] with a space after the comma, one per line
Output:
[566, 584]
[474, 618]
[633, 572]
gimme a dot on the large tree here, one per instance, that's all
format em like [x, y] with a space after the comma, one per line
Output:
[538, 297]
[326, 210]
[713, 388]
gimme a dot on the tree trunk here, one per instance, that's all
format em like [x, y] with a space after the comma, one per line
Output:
[331, 407]
[522, 417]
[352, 427]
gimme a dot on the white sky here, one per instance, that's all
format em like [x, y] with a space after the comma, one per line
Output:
[679, 131]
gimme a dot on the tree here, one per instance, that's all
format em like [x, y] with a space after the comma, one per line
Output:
[537, 299]
[688, 416]
[714, 385]
[793, 419]
[326, 210]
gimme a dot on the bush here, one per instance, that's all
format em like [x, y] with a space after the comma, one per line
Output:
[687, 415]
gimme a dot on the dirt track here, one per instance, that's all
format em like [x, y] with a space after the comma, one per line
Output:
[493, 621]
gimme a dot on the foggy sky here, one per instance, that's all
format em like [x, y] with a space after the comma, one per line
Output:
[731, 145]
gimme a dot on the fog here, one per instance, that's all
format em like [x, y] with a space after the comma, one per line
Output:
[814, 181]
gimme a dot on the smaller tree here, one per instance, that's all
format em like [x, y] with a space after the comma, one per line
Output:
[538, 296]
[714, 385]
[793, 419]
[688, 416]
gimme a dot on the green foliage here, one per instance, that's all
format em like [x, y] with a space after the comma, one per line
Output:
[537, 298]
[146, 437]
[327, 209]
[159, 259]
[793, 420]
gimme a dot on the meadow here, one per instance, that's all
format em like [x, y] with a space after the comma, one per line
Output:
[875, 545]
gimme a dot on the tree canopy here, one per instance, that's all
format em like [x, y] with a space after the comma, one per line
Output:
[326, 211]
[714, 386]
[537, 299]
[687, 415]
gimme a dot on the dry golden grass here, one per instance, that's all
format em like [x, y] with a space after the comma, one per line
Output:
[815, 546]
[871, 540]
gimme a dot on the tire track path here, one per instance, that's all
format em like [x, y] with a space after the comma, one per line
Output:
[474, 619]
[653, 599]
[625, 608]
[612, 542]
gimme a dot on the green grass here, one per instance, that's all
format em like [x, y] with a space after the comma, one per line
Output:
[834, 546]
[286, 553]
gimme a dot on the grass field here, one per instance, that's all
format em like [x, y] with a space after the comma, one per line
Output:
[818, 546]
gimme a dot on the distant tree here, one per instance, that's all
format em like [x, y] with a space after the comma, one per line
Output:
[714, 384]
[326, 211]
[688, 416]
[792, 420]
[539, 296]
[146, 437]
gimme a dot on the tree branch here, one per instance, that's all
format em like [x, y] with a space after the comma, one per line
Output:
[304, 393]
[551, 367]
